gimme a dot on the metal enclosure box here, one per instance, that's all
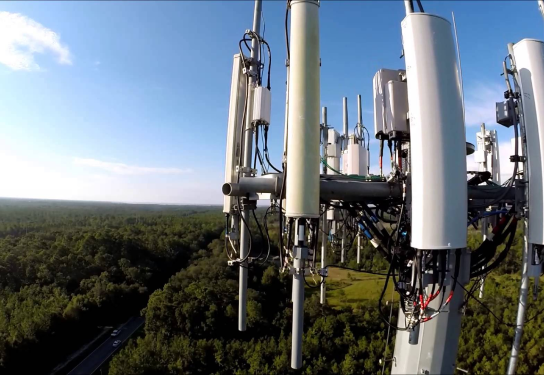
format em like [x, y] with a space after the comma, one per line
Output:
[505, 113]
[333, 162]
[345, 161]
[261, 105]
[333, 214]
[234, 129]
[396, 107]
[333, 146]
[437, 134]
[355, 159]
[381, 78]
[479, 156]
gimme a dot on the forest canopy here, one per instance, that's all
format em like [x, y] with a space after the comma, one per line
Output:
[67, 268]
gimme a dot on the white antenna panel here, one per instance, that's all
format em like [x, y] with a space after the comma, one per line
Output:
[381, 78]
[529, 58]
[238, 88]
[437, 134]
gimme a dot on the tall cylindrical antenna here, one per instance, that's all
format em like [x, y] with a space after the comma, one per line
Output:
[345, 120]
[302, 184]
[360, 120]
[408, 7]
[359, 111]
[248, 146]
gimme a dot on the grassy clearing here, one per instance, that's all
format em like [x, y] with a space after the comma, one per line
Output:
[350, 288]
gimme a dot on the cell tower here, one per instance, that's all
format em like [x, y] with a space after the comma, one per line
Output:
[415, 216]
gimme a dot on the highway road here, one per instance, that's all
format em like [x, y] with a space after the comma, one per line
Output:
[100, 355]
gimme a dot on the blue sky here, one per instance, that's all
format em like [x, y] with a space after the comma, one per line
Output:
[128, 101]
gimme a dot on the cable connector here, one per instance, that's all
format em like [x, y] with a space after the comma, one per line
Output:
[365, 231]
[376, 243]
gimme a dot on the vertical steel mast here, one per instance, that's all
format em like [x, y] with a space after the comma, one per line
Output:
[345, 141]
[360, 131]
[246, 168]
[325, 229]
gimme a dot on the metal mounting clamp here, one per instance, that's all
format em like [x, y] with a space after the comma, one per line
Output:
[247, 170]
[323, 272]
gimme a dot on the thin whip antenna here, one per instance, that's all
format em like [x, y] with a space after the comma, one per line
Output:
[388, 331]
[460, 69]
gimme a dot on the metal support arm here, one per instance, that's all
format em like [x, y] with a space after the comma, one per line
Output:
[347, 189]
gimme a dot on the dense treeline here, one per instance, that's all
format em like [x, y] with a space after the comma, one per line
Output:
[82, 266]
[67, 268]
[486, 341]
[191, 327]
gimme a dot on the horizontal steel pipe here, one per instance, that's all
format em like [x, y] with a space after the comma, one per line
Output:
[343, 188]
[248, 185]
[351, 190]
[489, 192]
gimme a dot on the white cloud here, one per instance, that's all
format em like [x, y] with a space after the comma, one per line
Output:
[45, 175]
[97, 62]
[21, 38]
[124, 169]
[480, 102]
